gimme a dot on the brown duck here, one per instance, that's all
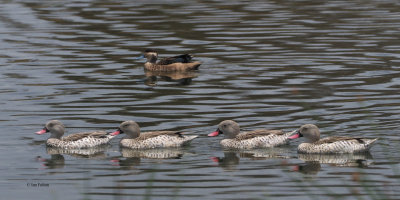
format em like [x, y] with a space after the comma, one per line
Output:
[177, 63]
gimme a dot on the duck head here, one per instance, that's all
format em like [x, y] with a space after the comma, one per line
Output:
[228, 127]
[55, 127]
[150, 54]
[308, 131]
[130, 128]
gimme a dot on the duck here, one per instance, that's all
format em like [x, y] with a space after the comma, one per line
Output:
[335, 144]
[260, 138]
[148, 140]
[73, 141]
[177, 63]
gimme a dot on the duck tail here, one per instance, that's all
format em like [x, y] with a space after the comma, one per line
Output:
[369, 143]
[196, 67]
[189, 138]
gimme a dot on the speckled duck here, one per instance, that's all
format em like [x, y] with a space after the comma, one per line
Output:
[261, 138]
[73, 141]
[156, 139]
[337, 144]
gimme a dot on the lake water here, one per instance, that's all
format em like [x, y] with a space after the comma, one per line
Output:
[266, 64]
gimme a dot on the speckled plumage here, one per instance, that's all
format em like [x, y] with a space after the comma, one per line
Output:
[148, 140]
[176, 63]
[86, 142]
[262, 141]
[160, 141]
[261, 138]
[338, 144]
[73, 141]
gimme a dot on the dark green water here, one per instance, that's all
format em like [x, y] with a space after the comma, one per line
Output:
[266, 64]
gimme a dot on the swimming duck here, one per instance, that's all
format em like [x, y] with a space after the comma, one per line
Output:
[148, 140]
[73, 141]
[261, 138]
[337, 144]
[176, 63]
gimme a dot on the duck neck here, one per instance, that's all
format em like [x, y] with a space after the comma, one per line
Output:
[152, 58]
[313, 138]
[56, 135]
[232, 131]
[132, 135]
[232, 134]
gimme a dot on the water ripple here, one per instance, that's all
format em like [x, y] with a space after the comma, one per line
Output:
[265, 64]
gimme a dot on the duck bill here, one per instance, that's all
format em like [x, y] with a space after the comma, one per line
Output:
[43, 131]
[140, 57]
[215, 159]
[297, 134]
[117, 132]
[215, 133]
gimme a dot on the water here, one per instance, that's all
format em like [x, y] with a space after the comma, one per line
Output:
[266, 64]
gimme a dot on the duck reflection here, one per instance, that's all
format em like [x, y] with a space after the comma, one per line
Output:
[229, 161]
[133, 156]
[276, 152]
[313, 162]
[341, 160]
[309, 167]
[181, 78]
[94, 152]
[56, 161]
[127, 163]
[157, 153]
[232, 157]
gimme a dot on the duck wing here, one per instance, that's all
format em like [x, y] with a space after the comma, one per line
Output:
[78, 136]
[184, 58]
[333, 139]
[148, 135]
[258, 133]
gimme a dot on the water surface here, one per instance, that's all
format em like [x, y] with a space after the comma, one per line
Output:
[266, 64]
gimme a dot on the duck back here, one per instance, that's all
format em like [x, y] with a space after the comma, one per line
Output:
[337, 145]
[160, 141]
[251, 140]
[77, 141]
[185, 58]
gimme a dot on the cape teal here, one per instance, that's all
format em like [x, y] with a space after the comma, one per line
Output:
[336, 144]
[73, 141]
[261, 138]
